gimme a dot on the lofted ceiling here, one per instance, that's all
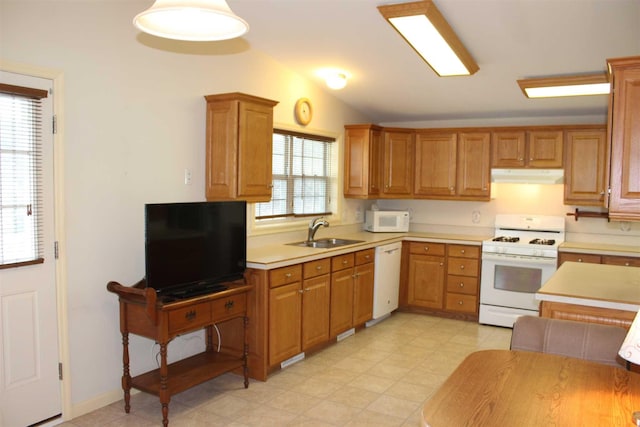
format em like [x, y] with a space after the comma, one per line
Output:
[509, 39]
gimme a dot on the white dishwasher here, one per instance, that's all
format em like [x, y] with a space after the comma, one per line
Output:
[386, 284]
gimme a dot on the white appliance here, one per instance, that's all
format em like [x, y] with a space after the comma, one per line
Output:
[386, 221]
[520, 258]
[386, 284]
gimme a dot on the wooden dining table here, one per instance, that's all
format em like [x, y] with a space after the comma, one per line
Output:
[518, 388]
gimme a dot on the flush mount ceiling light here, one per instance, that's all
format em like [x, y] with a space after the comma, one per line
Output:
[191, 20]
[336, 81]
[422, 25]
[549, 87]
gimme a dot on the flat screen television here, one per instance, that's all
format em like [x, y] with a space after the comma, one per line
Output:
[192, 248]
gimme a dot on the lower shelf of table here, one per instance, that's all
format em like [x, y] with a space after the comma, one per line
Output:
[188, 372]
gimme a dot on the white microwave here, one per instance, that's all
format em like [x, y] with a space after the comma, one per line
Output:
[386, 221]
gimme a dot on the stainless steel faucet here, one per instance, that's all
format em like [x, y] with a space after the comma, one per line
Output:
[313, 227]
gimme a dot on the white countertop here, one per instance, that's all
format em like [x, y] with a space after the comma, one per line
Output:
[281, 255]
[595, 285]
[600, 249]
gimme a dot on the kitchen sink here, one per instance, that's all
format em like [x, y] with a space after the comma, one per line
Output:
[326, 243]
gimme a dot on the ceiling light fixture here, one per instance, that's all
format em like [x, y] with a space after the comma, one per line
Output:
[336, 81]
[549, 87]
[422, 26]
[191, 20]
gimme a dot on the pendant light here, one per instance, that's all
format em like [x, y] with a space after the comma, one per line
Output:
[192, 20]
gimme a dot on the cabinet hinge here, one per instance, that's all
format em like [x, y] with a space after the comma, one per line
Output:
[55, 249]
[54, 124]
[60, 371]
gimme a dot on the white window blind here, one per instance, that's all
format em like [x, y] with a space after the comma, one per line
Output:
[301, 176]
[20, 175]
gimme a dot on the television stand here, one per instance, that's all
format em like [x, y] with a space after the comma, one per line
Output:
[141, 313]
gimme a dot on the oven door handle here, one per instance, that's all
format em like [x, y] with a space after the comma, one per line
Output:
[522, 259]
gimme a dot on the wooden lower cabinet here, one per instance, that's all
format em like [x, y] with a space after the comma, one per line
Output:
[285, 311]
[426, 274]
[341, 301]
[363, 287]
[442, 279]
[598, 259]
[581, 313]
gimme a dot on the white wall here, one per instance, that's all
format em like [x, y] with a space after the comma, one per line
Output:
[134, 119]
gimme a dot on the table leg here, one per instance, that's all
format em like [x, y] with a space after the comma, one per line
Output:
[126, 375]
[245, 354]
[164, 378]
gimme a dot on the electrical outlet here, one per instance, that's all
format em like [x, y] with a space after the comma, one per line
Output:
[475, 217]
[187, 177]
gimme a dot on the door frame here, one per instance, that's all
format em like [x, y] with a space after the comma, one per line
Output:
[57, 78]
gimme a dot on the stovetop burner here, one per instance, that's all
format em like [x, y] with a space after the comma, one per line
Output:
[505, 239]
[549, 242]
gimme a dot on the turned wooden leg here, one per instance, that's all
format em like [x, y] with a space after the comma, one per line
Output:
[245, 355]
[126, 376]
[164, 378]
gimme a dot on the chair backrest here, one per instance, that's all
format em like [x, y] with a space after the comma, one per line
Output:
[589, 341]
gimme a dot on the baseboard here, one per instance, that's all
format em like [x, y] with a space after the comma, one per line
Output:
[98, 402]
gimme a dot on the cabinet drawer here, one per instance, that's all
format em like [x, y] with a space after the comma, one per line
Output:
[227, 308]
[189, 318]
[427, 248]
[461, 302]
[462, 284]
[363, 257]
[316, 268]
[463, 251]
[567, 256]
[463, 266]
[284, 275]
[621, 260]
[341, 262]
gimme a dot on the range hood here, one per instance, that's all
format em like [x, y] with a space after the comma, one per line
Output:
[528, 176]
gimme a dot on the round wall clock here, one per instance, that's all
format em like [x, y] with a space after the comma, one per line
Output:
[303, 111]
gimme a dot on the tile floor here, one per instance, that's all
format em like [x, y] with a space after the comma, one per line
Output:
[380, 376]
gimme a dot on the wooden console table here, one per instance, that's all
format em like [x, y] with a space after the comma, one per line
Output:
[141, 313]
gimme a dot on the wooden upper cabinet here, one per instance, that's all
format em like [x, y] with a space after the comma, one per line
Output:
[522, 149]
[508, 149]
[473, 180]
[435, 164]
[451, 165]
[585, 167]
[544, 149]
[397, 173]
[362, 161]
[239, 147]
[624, 138]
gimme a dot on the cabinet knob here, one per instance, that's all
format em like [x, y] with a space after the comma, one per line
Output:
[190, 315]
[627, 264]
[462, 251]
[301, 291]
[461, 285]
[344, 262]
[579, 259]
[462, 267]
[460, 302]
[426, 248]
[229, 304]
[287, 275]
[367, 256]
[318, 267]
[441, 264]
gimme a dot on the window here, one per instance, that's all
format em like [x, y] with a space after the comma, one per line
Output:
[301, 176]
[20, 175]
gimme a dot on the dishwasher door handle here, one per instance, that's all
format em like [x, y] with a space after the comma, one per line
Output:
[390, 251]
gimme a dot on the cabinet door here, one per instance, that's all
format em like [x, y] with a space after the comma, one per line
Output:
[255, 135]
[426, 281]
[473, 178]
[435, 164]
[363, 293]
[341, 318]
[544, 149]
[584, 167]
[621, 260]
[221, 150]
[624, 110]
[285, 310]
[508, 149]
[315, 311]
[576, 257]
[362, 161]
[398, 163]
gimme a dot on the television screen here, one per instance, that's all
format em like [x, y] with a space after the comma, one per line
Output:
[191, 248]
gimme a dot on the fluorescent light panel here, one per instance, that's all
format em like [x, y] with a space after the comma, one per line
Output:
[422, 26]
[593, 84]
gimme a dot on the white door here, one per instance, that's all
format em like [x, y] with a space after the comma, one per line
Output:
[30, 390]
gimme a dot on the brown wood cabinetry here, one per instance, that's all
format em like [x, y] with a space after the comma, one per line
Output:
[142, 314]
[425, 287]
[527, 148]
[362, 161]
[585, 167]
[397, 171]
[450, 165]
[624, 138]
[239, 147]
[363, 286]
[463, 277]
[598, 259]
